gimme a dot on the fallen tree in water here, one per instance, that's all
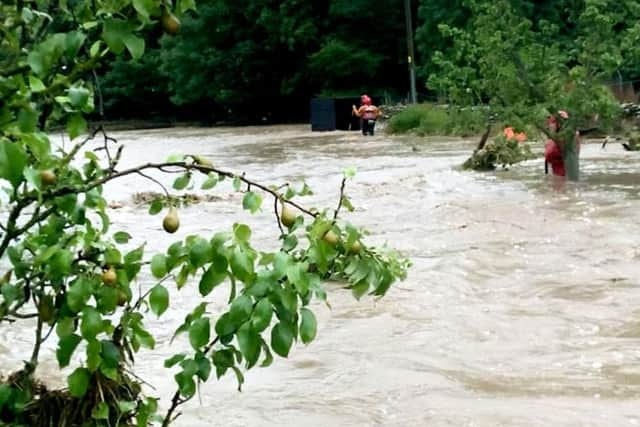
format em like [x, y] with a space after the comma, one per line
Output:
[504, 150]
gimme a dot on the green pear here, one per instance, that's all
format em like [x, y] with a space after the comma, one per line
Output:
[171, 222]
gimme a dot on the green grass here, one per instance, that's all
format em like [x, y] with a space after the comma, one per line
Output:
[428, 119]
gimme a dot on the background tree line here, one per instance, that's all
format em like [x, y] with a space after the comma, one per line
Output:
[252, 60]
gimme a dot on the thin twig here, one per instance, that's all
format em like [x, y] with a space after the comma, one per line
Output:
[335, 214]
[36, 345]
[49, 332]
[165, 170]
[140, 299]
[11, 224]
[71, 155]
[275, 208]
[116, 160]
[136, 305]
[133, 374]
[22, 316]
[105, 146]
[176, 400]
[36, 218]
[210, 345]
[150, 178]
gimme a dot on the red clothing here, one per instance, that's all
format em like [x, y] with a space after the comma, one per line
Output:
[553, 156]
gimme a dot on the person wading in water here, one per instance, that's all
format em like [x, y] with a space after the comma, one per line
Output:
[369, 113]
[556, 150]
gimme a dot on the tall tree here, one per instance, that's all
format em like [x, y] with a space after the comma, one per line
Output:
[240, 54]
[429, 38]
[363, 48]
[243, 58]
[135, 88]
[525, 71]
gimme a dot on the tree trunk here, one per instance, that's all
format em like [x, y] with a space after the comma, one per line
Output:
[571, 158]
[484, 138]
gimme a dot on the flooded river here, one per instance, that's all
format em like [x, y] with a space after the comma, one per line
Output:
[522, 307]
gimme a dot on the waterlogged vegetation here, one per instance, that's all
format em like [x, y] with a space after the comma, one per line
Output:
[66, 270]
[502, 151]
[505, 148]
[522, 61]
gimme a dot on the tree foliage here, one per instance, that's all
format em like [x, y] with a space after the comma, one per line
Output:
[240, 52]
[244, 59]
[135, 85]
[569, 19]
[525, 70]
[67, 269]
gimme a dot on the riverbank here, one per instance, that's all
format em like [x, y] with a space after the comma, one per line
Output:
[441, 120]
[134, 124]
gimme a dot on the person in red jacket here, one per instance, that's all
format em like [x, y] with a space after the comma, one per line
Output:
[369, 113]
[554, 148]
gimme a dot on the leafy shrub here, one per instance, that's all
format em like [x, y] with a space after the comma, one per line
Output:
[505, 150]
[407, 120]
[428, 119]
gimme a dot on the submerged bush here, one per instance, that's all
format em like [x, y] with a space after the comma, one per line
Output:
[504, 151]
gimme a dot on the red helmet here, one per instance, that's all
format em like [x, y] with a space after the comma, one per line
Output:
[365, 100]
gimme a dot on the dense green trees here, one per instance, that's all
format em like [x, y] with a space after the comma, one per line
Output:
[239, 53]
[243, 58]
[600, 34]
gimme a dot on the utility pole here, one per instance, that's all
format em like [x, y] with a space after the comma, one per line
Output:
[410, 55]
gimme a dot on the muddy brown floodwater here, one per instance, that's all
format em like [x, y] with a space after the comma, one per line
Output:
[522, 307]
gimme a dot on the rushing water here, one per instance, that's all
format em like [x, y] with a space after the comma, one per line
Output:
[521, 307]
